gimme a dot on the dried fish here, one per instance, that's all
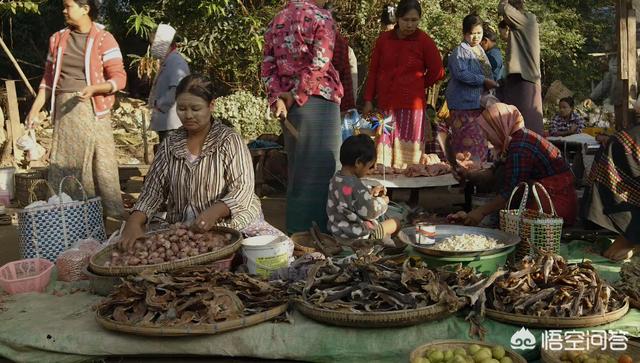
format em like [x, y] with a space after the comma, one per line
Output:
[359, 285]
[629, 282]
[189, 296]
[548, 286]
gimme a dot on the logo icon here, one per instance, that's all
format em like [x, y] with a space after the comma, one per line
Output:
[523, 340]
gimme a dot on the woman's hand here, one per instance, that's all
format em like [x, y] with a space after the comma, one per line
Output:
[207, 219]
[129, 235]
[490, 83]
[283, 105]
[368, 108]
[474, 217]
[33, 118]
[457, 218]
[86, 93]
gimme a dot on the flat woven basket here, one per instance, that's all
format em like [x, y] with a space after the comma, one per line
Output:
[510, 218]
[96, 264]
[633, 350]
[195, 329]
[374, 320]
[539, 230]
[453, 344]
[550, 322]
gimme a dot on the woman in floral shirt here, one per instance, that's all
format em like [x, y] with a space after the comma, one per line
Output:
[304, 88]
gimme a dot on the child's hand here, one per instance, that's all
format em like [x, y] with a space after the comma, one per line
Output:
[378, 191]
[573, 129]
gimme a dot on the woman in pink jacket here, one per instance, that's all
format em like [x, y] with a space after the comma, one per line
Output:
[83, 71]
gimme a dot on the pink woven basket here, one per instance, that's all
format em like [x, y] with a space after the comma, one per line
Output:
[30, 275]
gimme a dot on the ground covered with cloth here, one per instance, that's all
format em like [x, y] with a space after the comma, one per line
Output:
[60, 326]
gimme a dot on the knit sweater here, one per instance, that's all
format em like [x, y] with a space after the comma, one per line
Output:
[401, 69]
[103, 63]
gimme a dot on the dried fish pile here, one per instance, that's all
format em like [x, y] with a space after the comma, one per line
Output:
[367, 285]
[549, 286]
[191, 296]
[629, 282]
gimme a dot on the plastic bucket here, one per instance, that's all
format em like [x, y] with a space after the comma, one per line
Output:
[478, 200]
[7, 181]
[265, 254]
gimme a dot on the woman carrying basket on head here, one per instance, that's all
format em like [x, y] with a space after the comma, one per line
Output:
[523, 156]
[83, 71]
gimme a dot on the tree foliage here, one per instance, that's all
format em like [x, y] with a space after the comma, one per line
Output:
[223, 38]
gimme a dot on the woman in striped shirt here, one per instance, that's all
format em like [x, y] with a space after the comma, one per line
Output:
[203, 171]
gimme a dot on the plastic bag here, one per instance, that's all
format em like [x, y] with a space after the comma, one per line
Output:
[72, 262]
[28, 143]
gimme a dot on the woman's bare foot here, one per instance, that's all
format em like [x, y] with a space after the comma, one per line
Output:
[620, 250]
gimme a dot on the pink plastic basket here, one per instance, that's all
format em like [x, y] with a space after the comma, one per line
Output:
[30, 275]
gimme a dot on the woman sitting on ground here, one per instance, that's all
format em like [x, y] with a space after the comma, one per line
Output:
[523, 156]
[203, 171]
[613, 197]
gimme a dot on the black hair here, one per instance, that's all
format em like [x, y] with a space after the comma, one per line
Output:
[503, 24]
[198, 85]
[568, 100]
[406, 6]
[488, 33]
[357, 148]
[93, 7]
[471, 21]
[518, 4]
[385, 17]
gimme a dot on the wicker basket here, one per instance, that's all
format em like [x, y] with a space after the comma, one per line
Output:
[633, 350]
[510, 218]
[453, 344]
[374, 320]
[96, 264]
[195, 329]
[25, 182]
[539, 230]
[550, 322]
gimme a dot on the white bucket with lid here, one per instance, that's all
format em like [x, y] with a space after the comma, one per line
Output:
[265, 254]
[7, 180]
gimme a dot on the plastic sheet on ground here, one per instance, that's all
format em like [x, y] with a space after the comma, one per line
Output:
[51, 328]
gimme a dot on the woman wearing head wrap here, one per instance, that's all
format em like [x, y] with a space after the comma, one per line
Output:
[527, 157]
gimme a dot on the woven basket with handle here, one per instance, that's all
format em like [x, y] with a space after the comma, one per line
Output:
[510, 218]
[26, 182]
[540, 231]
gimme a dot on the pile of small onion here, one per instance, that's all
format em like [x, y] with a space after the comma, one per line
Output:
[176, 243]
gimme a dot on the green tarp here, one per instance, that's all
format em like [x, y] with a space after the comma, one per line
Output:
[50, 328]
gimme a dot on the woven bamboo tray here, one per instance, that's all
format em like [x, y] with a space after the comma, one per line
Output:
[453, 344]
[549, 322]
[374, 320]
[198, 329]
[633, 350]
[96, 264]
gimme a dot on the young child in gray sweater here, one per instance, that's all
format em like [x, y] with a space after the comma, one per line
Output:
[352, 207]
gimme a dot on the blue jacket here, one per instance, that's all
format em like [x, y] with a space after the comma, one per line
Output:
[467, 79]
[497, 66]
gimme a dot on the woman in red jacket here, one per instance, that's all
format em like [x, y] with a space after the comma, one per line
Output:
[405, 61]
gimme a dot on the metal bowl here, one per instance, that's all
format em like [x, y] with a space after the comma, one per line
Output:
[408, 236]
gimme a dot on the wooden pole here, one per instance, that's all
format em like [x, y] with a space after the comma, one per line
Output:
[14, 131]
[144, 138]
[15, 64]
[627, 55]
